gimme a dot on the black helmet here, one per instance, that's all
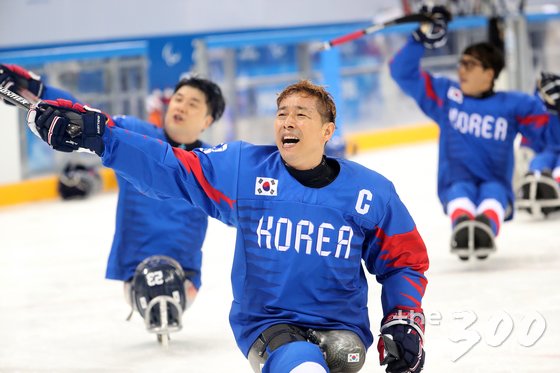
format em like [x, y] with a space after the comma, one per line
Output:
[159, 281]
[78, 181]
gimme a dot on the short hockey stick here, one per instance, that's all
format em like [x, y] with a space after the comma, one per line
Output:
[19, 101]
[14, 98]
[411, 18]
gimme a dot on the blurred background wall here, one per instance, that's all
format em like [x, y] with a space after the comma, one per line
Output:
[56, 21]
[125, 57]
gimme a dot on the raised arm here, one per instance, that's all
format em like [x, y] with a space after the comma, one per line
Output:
[151, 165]
[428, 92]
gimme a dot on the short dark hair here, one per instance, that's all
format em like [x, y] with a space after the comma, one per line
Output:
[325, 107]
[214, 98]
[489, 55]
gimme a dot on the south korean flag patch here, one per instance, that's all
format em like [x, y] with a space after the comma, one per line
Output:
[266, 186]
[455, 94]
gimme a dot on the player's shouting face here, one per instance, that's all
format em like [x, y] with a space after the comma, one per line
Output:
[300, 131]
[187, 115]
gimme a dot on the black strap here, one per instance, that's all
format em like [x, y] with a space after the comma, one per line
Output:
[279, 335]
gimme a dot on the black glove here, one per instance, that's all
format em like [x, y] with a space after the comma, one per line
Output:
[68, 126]
[549, 90]
[14, 78]
[400, 345]
[433, 35]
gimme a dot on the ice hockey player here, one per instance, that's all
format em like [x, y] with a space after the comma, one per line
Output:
[305, 223]
[147, 227]
[539, 193]
[477, 130]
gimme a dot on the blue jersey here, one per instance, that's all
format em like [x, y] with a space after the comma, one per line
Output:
[476, 134]
[299, 250]
[547, 155]
[52, 93]
[552, 139]
[147, 226]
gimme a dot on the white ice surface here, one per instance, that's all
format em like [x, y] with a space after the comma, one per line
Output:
[59, 314]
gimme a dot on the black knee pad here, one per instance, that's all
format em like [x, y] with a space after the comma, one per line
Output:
[344, 351]
[271, 339]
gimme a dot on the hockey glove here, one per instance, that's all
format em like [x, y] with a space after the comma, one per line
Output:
[400, 345]
[68, 126]
[14, 78]
[549, 90]
[434, 34]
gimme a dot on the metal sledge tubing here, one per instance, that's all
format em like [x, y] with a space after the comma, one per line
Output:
[533, 201]
[471, 250]
[162, 300]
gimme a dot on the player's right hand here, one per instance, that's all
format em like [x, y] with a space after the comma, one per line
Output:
[433, 34]
[549, 90]
[68, 126]
[14, 78]
[404, 331]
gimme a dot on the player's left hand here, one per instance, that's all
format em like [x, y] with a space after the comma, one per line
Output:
[404, 329]
[549, 90]
[433, 34]
[68, 126]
